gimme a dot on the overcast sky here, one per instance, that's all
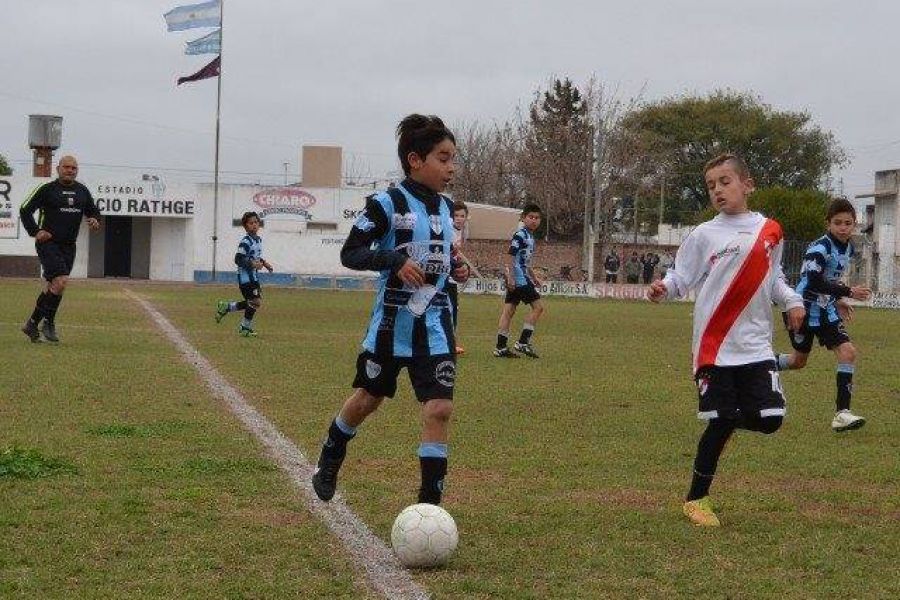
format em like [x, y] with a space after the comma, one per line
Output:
[344, 72]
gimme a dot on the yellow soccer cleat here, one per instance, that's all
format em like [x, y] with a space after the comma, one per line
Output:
[700, 512]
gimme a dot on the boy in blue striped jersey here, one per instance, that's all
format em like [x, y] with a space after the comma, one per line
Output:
[405, 234]
[521, 286]
[249, 260]
[826, 260]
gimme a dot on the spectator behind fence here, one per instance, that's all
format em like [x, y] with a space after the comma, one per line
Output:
[611, 265]
[633, 269]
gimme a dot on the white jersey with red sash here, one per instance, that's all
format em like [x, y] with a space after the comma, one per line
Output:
[734, 263]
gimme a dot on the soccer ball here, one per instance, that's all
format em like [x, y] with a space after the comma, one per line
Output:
[424, 535]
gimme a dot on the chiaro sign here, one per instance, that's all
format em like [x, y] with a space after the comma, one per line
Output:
[291, 202]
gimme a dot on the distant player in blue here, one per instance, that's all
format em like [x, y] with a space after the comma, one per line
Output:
[824, 264]
[249, 260]
[521, 286]
[406, 234]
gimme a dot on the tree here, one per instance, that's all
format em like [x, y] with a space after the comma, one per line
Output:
[556, 159]
[781, 148]
[4, 166]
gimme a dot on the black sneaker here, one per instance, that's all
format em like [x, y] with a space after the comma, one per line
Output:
[324, 480]
[48, 330]
[505, 353]
[31, 330]
[526, 349]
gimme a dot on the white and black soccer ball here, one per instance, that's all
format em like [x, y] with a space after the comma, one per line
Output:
[424, 535]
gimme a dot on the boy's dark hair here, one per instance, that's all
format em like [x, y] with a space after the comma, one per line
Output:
[840, 205]
[531, 208]
[249, 215]
[460, 205]
[736, 162]
[420, 134]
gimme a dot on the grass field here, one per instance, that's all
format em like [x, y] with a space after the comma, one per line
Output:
[566, 475]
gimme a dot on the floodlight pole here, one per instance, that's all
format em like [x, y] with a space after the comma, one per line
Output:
[215, 235]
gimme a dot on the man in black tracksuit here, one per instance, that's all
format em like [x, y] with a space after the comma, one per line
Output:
[62, 203]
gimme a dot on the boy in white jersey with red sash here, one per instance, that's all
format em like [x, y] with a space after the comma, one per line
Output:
[734, 263]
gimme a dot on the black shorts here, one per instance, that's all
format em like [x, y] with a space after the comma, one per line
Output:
[432, 377]
[831, 335]
[250, 290]
[56, 258]
[522, 293]
[730, 392]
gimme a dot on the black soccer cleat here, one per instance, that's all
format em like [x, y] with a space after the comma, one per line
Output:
[30, 329]
[526, 349]
[505, 353]
[324, 480]
[48, 330]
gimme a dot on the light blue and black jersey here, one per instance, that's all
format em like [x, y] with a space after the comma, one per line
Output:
[409, 221]
[249, 249]
[824, 264]
[521, 247]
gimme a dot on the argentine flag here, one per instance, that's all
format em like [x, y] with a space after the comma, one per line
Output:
[210, 43]
[205, 14]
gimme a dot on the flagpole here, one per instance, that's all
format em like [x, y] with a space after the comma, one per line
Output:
[215, 236]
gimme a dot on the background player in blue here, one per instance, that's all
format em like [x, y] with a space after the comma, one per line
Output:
[249, 260]
[825, 262]
[406, 234]
[521, 286]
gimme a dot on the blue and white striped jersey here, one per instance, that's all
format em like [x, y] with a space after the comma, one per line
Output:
[406, 222]
[521, 246]
[249, 249]
[824, 264]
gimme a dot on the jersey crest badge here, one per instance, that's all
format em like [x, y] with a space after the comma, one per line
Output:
[373, 369]
[437, 224]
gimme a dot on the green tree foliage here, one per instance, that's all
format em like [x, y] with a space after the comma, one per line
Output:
[781, 148]
[557, 155]
[4, 166]
[801, 213]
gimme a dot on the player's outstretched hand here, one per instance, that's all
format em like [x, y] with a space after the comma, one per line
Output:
[268, 266]
[860, 293]
[411, 273]
[657, 291]
[845, 310]
[93, 224]
[795, 318]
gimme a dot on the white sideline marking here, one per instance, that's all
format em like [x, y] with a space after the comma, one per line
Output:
[384, 572]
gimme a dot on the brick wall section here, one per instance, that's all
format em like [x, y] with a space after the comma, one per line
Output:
[490, 255]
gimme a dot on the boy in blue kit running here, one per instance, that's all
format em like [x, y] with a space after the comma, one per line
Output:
[521, 286]
[249, 260]
[406, 234]
[825, 262]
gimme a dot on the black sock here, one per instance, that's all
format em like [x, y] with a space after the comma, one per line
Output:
[433, 472]
[709, 449]
[527, 330]
[335, 446]
[39, 309]
[249, 312]
[844, 386]
[51, 305]
[502, 339]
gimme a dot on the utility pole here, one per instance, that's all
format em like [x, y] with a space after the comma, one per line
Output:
[662, 205]
[285, 172]
[587, 245]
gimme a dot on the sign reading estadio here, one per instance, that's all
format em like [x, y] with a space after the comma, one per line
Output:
[151, 198]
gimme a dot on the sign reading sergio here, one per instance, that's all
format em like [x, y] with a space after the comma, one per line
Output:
[291, 202]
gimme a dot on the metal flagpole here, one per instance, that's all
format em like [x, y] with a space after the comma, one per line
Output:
[215, 236]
